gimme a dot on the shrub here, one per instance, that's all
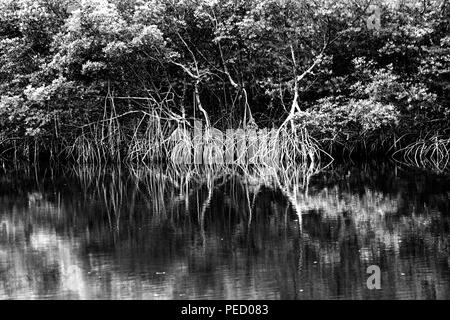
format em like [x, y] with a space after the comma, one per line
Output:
[349, 122]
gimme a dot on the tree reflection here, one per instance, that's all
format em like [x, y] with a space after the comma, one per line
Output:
[237, 233]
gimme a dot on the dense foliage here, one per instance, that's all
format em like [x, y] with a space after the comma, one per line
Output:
[228, 61]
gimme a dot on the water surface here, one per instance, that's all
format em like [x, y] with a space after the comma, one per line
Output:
[92, 233]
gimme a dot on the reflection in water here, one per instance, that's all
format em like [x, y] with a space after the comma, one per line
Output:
[165, 234]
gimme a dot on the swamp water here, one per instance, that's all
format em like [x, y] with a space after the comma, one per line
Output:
[80, 233]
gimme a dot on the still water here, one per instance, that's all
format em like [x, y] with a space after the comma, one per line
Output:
[158, 233]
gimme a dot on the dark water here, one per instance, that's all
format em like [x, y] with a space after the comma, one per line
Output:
[157, 234]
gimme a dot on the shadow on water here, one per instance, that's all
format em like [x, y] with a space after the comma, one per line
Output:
[180, 233]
